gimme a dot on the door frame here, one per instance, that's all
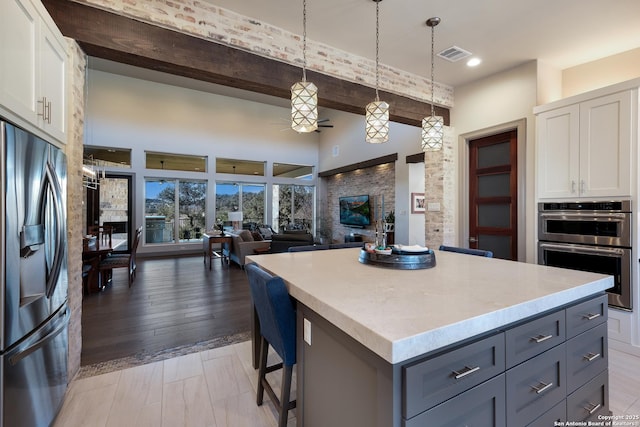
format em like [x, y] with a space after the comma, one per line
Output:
[463, 185]
[131, 213]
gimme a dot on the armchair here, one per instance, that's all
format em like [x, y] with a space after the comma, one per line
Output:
[243, 244]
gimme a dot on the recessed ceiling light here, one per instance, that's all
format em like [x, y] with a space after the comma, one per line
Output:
[473, 62]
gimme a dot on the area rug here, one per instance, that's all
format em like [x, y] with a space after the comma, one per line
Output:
[145, 357]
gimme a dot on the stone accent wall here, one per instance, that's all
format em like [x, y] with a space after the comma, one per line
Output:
[114, 209]
[440, 188]
[375, 181]
[75, 191]
[205, 20]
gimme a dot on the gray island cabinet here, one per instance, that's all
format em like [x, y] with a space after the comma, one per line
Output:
[472, 341]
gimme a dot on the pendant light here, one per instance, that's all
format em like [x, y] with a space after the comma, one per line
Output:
[432, 126]
[304, 94]
[377, 112]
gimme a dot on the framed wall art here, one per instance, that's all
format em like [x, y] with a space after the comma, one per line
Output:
[417, 203]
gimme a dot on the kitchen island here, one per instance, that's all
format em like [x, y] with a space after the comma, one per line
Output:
[381, 340]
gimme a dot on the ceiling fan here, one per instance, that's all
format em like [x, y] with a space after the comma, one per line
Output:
[323, 123]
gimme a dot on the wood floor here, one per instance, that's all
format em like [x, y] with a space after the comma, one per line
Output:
[173, 302]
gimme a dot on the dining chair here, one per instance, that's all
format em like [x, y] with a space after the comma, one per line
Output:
[468, 251]
[277, 318]
[103, 234]
[122, 260]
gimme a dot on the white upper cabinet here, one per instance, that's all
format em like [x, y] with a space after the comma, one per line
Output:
[53, 82]
[33, 60]
[584, 149]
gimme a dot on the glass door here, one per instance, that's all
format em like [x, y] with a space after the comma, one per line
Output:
[110, 204]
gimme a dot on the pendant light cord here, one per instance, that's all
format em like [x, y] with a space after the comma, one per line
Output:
[433, 35]
[377, 48]
[304, 40]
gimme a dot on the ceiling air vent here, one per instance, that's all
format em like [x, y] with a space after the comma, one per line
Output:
[454, 54]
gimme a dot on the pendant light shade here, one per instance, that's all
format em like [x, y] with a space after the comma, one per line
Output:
[377, 112]
[304, 94]
[377, 122]
[432, 133]
[304, 107]
[432, 126]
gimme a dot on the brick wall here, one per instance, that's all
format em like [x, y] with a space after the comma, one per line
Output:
[440, 188]
[375, 181]
[74, 151]
[115, 207]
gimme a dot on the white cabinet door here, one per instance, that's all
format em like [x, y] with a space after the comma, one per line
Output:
[53, 62]
[605, 145]
[19, 23]
[558, 136]
[584, 149]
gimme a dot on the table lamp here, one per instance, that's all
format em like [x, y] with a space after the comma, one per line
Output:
[236, 219]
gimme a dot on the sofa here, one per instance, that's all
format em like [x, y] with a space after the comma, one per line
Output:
[244, 243]
[281, 242]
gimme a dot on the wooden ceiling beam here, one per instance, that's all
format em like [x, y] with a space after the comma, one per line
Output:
[106, 35]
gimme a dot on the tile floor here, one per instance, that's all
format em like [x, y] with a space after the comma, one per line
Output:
[216, 388]
[212, 388]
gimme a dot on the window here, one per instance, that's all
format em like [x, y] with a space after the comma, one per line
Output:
[293, 207]
[239, 167]
[285, 170]
[109, 157]
[176, 162]
[174, 210]
[245, 197]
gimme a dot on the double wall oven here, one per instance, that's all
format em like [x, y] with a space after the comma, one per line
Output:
[590, 236]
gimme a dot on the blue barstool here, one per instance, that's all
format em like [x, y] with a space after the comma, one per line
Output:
[278, 328]
[478, 252]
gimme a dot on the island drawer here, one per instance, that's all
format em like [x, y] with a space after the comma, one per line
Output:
[586, 315]
[590, 400]
[483, 405]
[536, 386]
[586, 356]
[429, 382]
[557, 414]
[532, 338]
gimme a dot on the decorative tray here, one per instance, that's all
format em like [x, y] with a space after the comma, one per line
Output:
[400, 260]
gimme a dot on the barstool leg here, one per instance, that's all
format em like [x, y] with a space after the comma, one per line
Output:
[262, 369]
[285, 395]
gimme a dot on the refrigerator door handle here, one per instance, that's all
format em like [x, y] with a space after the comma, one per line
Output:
[16, 358]
[58, 257]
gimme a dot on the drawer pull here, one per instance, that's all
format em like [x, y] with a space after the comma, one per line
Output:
[541, 338]
[591, 316]
[542, 387]
[466, 371]
[591, 356]
[593, 409]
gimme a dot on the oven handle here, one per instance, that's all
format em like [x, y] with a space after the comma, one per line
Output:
[584, 249]
[584, 216]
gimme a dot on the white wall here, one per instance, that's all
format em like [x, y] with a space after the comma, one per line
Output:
[147, 116]
[603, 72]
[345, 145]
[499, 102]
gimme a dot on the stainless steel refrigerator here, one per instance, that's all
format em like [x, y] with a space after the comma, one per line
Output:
[33, 298]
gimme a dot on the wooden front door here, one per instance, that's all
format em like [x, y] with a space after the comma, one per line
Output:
[493, 191]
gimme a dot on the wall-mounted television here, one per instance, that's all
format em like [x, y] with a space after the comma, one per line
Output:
[355, 211]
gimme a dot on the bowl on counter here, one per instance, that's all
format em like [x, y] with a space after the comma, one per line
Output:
[385, 251]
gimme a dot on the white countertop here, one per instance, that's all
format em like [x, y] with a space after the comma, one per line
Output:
[400, 314]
